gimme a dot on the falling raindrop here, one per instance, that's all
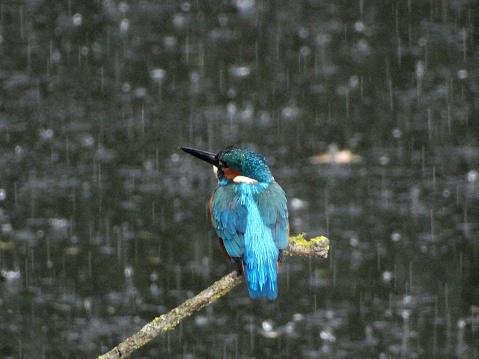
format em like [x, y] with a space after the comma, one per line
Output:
[359, 26]
[384, 160]
[327, 335]
[387, 277]
[46, 134]
[472, 176]
[395, 237]
[462, 74]
[158, 75]
[6, 228]
[297, 204]
[240, 71]
[77, 19]
[179, 21]
[124, 26]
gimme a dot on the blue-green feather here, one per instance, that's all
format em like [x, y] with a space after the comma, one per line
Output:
[229, 220]
[274, 211]
[252, 220]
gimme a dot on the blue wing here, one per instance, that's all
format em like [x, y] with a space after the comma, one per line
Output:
[273, 208]
[229, 220]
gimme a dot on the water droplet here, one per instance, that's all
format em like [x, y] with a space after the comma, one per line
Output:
[472, 176]
[298, 317]
[11, 275]
[195, 77]
[359, 26]
[77, 19]
[327, 336]
[354, 241]
[422, 41]
[395, 237]
[289, 328]
[3, 194]
[297, 203]
[303, 32]
[397, 133]
[155, 290]
[140, 92]
[87, 140]
[154, 276]
[420, 69]
[240, 71]
[18, 150]
[158, 75]
[124, 25]
[6, 228]
[323, 39]
[354, 81]
[267, 325]
[169, 41]
[387, 276]
[363, 47]
[384, 160]
[56, 56]
[186, 6]
[58, 224]
[126, 87]
[267, 330]
[87, 304]
[244, 5]
[231, 93]
[201, 320]
[179, 21]
[305, 51]
[46, 134]
[128, 271]
[462, 74]
[231, 108]
[290, 112]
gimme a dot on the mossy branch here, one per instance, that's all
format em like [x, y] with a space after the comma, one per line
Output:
[298, 246]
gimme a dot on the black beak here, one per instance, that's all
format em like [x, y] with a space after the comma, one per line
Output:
[202, 155]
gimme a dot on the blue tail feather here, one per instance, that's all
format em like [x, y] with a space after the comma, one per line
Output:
[260, 255]
[261, 278]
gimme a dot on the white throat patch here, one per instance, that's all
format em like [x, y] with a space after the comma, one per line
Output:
[244, 179]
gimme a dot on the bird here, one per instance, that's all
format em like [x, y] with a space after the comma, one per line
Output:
[249, 212]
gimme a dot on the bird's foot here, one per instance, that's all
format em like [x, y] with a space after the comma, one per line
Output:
[238, 263]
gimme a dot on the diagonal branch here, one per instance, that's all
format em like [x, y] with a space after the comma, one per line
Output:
[298, 246]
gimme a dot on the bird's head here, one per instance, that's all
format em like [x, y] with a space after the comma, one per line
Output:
[235, 164]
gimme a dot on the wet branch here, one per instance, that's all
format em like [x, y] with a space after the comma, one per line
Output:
[298, 246]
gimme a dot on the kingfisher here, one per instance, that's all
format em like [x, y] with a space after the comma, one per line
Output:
[249, 212]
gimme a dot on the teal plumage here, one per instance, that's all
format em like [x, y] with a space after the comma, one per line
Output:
[250, 215]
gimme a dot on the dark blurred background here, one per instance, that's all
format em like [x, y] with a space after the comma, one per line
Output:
[103, 222]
